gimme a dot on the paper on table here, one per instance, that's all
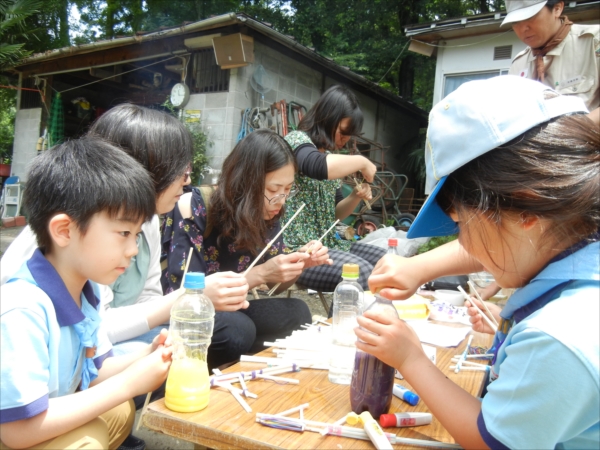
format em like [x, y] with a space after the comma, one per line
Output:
[440, 335]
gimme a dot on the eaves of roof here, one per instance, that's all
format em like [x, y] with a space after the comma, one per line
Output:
[581, 10]
[226, 20]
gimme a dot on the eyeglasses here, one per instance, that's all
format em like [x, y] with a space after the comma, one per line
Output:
[281, 197]
[187, 175]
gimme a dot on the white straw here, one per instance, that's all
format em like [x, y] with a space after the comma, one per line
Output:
[239, 398]
[274, 239]
[187, 264]
[328, 230]
[340, 422]
[279, 379]
[470, 283]
[464, 355]
[472, 369]
[468, 363]
[229, 387]
[359, 185]
[468, 297]
[287, 412]
[484, 355]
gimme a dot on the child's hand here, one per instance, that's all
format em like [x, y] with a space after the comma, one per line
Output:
[476, 320]
[394, 342]
[319, 254]
[227, 291]
[148, 373]
[160, 340]
[394, 278]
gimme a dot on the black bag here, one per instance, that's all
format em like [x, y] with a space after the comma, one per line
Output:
[452, 282]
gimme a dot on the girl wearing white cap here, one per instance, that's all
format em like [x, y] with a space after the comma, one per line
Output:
[523, 195]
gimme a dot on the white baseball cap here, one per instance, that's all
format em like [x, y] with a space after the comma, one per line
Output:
[522, 10]
[478, 117]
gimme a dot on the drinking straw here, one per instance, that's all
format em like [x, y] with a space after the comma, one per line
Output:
[187, 265]
[252, 373]
[245, 390]
[237, 396]
[287, 412]
[483, 355]
[468, 363]
[231, 387]
[464, 355]
[279, 379]
[468, 297]
[470, 283]
[472, 369]
[274, 239]
[274, 288]
[359, 185]
[301, 425]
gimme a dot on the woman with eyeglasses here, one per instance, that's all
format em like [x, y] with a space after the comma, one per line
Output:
[229, 230]
[328, 126]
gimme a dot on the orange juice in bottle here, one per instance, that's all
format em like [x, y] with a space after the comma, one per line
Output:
[191, 327]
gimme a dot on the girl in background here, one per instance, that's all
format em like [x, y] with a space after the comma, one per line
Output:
[327, 126]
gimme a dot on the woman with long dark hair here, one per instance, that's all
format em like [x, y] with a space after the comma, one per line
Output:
[229, 230]
[328, 126]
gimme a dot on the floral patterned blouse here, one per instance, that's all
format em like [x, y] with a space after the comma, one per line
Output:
[179, 235]
[319, 213]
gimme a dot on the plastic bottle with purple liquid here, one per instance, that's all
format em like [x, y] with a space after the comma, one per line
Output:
[372, 380]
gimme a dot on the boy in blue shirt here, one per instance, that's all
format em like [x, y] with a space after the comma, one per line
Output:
[61, 387]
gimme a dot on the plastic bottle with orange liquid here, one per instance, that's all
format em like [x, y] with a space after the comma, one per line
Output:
[190, 331]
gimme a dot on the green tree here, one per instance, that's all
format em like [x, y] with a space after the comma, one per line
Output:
[13, 30]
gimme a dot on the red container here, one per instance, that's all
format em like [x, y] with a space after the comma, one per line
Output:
[4, 170]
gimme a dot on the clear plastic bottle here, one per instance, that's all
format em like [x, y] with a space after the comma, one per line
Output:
[348, 304]
[372, 383]
[190, 331]
[393, 247]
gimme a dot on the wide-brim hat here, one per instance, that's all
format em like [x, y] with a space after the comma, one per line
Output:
[517, 11]
[478, 117]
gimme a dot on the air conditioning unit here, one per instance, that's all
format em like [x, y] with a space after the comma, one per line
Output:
[234, 50]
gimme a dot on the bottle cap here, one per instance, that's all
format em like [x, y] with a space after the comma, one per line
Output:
[350, 271]
[392, 242]
[411, 398]
[194, 280]
[352, 418]
[387, 420]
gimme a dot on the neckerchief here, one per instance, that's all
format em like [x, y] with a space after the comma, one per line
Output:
[534, 296]
[85, 321]
[540, 52]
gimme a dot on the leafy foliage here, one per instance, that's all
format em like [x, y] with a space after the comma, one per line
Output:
[435, 242]
[7, 120]
[14, 33]
[201, 143]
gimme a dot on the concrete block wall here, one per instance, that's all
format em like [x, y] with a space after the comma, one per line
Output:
[222, 111]
[27, 133]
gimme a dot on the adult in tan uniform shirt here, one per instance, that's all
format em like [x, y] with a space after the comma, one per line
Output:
[561, 55]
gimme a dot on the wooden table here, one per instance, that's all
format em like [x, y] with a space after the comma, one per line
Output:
[225, 425]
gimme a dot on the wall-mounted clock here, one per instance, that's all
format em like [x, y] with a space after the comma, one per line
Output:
[180, 94]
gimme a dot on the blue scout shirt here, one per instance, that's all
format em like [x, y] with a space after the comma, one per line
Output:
[546, 391]
[44, 340]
